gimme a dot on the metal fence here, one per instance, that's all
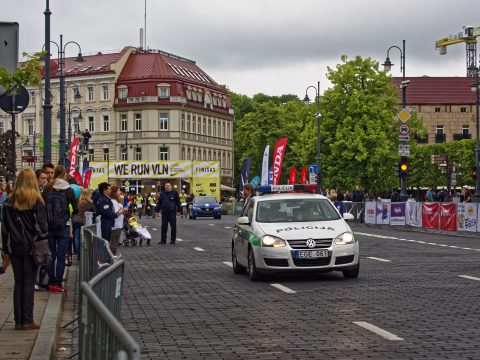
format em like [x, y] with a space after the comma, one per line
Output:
[102, 336]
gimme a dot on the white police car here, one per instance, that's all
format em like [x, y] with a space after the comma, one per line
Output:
[293, 232]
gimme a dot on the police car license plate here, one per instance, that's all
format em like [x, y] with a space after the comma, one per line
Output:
[310, 254]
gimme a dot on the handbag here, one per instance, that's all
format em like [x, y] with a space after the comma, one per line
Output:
[40, 249]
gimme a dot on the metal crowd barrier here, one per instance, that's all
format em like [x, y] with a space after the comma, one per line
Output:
[102, 336]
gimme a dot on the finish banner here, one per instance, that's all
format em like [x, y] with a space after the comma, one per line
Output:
[278, 153]
[467, 216]
[448, 217]
[430, 215]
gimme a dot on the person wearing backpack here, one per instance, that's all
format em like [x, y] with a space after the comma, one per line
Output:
[59, 196]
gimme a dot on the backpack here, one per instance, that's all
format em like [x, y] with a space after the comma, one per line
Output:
[56, 207]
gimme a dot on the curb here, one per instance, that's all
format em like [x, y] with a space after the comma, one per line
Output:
[44, 346]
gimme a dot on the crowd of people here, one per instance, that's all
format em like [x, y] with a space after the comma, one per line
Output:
[49, 203]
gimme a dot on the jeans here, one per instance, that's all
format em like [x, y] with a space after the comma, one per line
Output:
[58, 241]
[24, 270]
[169, 217]
[76, 237]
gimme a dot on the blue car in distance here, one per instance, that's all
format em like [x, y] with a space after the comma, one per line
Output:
[205, 206]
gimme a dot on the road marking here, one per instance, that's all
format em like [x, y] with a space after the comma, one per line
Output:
[375, 329]
[378, 259]
[469, 277]
[417, 241]
[198, 249]
[211, 224]
[228, 227]
[228, 263]
[179, 239]
[283, 288]
[154, 229]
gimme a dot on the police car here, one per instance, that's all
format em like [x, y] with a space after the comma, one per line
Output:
[289, 232]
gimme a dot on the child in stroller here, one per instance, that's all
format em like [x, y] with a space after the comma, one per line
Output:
[133, 231]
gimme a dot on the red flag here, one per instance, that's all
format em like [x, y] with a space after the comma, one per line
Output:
[86, 178]
[73, 156]
[278, 153]
[78, 178]
[292, 179]
[303, 177]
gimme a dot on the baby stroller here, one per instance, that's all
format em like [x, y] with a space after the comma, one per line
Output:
[133, 231]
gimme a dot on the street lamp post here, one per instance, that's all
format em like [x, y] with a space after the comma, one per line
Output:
[387, 65]
[476, 88]
[47, 105]
[306, 100]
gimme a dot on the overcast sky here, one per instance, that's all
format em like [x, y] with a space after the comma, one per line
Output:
[270, 46]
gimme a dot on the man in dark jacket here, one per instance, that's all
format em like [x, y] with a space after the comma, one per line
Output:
[104, 208]
[167, 204]
[357, 195]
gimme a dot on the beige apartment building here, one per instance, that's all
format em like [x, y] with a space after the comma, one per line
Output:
[137, 105]
[447, 106]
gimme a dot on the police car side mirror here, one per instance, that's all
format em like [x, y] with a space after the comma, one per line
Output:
[243, 221]
[348, 216]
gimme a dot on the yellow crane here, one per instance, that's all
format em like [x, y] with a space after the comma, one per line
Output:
[469, 37]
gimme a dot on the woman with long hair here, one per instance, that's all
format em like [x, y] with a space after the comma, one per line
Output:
[85, 204]
[18, 230]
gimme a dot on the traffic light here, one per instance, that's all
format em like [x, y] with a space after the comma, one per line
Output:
[474, 173]
[403, 167]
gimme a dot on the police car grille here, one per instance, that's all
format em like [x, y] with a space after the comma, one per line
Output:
[302, 244]
[312, 262]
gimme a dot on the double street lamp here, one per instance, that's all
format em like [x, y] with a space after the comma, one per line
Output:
[476, 88]
[306, 100]
[387, 65]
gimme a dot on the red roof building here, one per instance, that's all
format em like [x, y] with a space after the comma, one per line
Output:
[446, 105]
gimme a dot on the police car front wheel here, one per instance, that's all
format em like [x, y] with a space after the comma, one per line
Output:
[252, 268]
[237, 268]
[352, 272]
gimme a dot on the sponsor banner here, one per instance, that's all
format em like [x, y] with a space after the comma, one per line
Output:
[206, 178]
[340, 207]
[467, 216]
[303, 176]
[448, 217]
[244, 173]
[430, 215]
[278, 153]
[397, 213]
[356, 209]
[370, 212]
[98, 175]
[413, 214]
[383, 213]
[73, 156]
[266, 155]
[292, 179]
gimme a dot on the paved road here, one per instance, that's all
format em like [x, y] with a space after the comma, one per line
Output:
[416, 297]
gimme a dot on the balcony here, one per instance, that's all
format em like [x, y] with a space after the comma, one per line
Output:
[461, 136]
[440, 138]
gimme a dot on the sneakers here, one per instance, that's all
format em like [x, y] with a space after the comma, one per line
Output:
[31, 326]
[56, 289]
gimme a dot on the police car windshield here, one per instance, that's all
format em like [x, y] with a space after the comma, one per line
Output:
[204, 200]
[295, 210]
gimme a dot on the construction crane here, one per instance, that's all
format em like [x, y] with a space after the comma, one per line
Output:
[469, 37]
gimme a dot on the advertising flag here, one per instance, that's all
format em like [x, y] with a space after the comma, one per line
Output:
[303, 177]
[278, 154]
[266, 154]
[73, 156]
[87, 175]
[292, 179]
[244, 173]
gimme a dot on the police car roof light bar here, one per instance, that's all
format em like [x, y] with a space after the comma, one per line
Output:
[268, 189]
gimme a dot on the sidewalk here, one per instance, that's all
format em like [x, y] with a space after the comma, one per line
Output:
[31, 344]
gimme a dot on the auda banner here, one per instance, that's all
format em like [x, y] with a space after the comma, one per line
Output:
[448, 217]
[370, 212]
[467, 216]
[430, 215]
[397, 213]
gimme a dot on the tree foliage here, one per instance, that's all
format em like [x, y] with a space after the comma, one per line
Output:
[28, 72]
[6, 154]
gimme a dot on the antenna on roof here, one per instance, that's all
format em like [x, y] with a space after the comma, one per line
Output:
[141, 38]
[145, 38]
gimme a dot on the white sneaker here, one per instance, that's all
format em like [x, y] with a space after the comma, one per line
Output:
[36, 287]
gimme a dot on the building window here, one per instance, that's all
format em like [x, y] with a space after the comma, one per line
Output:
[205, 155]
[219, 128]
[194, 124]
[33, 97]
[90, 93]
[209, 127]
[138, 153]
[209, 155]
[223, 132]
[466, 130]
[2, 127]
[91, 124]
[123, 122]
[188, 123]
[138, 122]
[439, 130]
[204, 122]
[228, 161]
[199, 126]
[105, 92]
[183, 122]
[214, 127]
[122, 92]
[163, 92]
[91, 155]
[106, 123]
[29, 127]
[228, 131]
[194, 157]
[463, 109]
[123, 153]
[106, 154]
[163, 155]
[163, 121]
[183, 154]
[189, 154]
[438, 109]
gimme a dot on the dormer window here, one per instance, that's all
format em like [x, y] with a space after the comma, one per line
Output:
[163, 91]
[122, 92]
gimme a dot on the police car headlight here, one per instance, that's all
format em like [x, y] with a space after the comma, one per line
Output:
[345, 238]
[272, 241]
